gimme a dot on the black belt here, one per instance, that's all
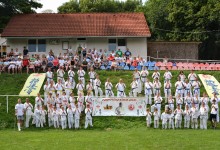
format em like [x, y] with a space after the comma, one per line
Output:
[59, 77]
[143, 76]
[81, 76]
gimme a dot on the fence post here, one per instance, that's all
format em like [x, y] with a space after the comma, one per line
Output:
[7, 103]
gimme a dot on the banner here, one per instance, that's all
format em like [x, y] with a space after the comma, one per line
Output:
[33, 84]
[119, 107]
[211, 84]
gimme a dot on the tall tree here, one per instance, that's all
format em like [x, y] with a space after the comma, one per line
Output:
[69, 7]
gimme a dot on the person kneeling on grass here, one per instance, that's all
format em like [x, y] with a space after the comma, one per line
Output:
[88, 118]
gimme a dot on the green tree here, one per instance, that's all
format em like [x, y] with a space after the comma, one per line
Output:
[69, 7]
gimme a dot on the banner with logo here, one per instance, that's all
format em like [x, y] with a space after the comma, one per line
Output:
[33, 84]
[211, 84]
[119, 107]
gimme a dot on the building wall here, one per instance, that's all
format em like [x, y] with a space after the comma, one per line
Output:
[137, 46]
[174, 50]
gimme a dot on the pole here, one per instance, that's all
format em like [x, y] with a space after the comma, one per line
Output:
[7, 103]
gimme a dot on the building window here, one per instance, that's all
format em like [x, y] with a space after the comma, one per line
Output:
[111, 41]
[121, 42]
[65, 45]
[81, 39]
[112, 44]
[37, 45]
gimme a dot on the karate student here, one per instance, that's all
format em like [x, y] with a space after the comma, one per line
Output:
[167, 75]
[52, 89]
[68, 87]
[46, 92]
[121, 88]
[72, 100]
[213, 113]
[19, 113]
[108, 88]
[137, 76]
[77, 113]
[144, 73]
[156, 75]
[71, 75]
[88, 118]
[60, 74]
[80, 88]
[157, 102]
[179, 101]
[70, 114]
[178, 116]
[81, 73]
[192, 76]
[171, 119]
[171, 102]
[56, 114]
[49, 75]
[156, 115]
[188, 88]
[43, 116]
[89, 88]
[188, 100]
[167, 89]
[205, 99]
[148, 91]
[156, 86]
[59, 87]
[165, 118]
[179, 87]
[92, 76]
[196, 87]
[38, 100]
[182, 76]
[196, 101]
[194, 116]
[97, 87]
[187, 115]
[80, 101]
[58, 102]
[88, 99]
[215, 100]
[64, 100]
[148, 117]
[134, 88]
[203, 116]
[63, 118]
[37, 114]
[50, 115]
[28, 111]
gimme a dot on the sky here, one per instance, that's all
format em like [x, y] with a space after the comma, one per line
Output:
[52, 4]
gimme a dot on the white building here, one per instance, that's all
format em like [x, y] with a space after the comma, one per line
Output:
[59, 32]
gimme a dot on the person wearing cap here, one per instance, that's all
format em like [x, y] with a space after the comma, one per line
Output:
[134, 88]
[167, 89]
[81, 73]
[19, 113]
[187, 115]
[156, 86]
[214, 113]
[120, 88]
[28, 112]
[194, 116]
[88, 118]
[148, 86]
[203, 116]
[178, 116]
[77, 113]
[97, 86]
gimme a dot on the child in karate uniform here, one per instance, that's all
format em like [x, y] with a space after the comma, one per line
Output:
[148, 117]
[77, 113]
[88, 118]
[156, 118]
[70, 114]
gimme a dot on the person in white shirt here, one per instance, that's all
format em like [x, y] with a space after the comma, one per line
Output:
[148, 91]
[196, 101]
[157, 102]
[56, 115]
[205, 99]
[192, 76]
[19, 65]
[37, 114]
[89, 88]
[178, 116]
[92, 76]
[77, 113]
[156, 86]
[167, 75]
[148, 117]
[19, 113]
[182, 76]
[171, 103]
[156, 75]
[137, 76]
[213, 113]
[50, 115]
[120, 88]
[71, 76]
[144, 74]
[49, 75]
[217, 100]
[28, 111]
[81, 73]
[108, 88]
[179, 101]
[12, 66]
[196, 87]
[156, 115]
[187, 88]
[97, 86]
[64, 100]
[52, 88]
[43, 116]
[179, 87]
[203, 116]
[167, 89]
[80, 88]
[194, 116]
[88, 118]
[63, 118]
[89, 100]
[187, 115]
[60, 75]
[72, 101]
[68, 87]
[80, 102]
[134, 88]
[70, 116]
[171, 119]
[39, 101]
[165, 119]
[59, 87]
[46, 92]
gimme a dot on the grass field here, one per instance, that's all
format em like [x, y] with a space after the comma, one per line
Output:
[108, 132]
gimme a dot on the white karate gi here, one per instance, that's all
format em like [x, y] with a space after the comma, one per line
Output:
[134, 89]
[81, 74]
[203, 117]
[77, 113]
[167, 90]
[148, 119]
[120, 89]
[92, 76]
[88, 118]
[108, 89]
[28, 111]
[194, 116]
[156, 119]
[70, 114]
[71, 75]
[60, 75]
[97, 87]
[63, 119]
[187, 115]
[49, 75]
[178, 117]
[137, 76]
[148, 92]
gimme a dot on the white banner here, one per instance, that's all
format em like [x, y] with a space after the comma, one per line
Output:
[119, 107]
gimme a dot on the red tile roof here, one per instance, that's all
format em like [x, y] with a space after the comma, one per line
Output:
[77, 25]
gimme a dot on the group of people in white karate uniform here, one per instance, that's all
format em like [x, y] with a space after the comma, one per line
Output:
[61, 107]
